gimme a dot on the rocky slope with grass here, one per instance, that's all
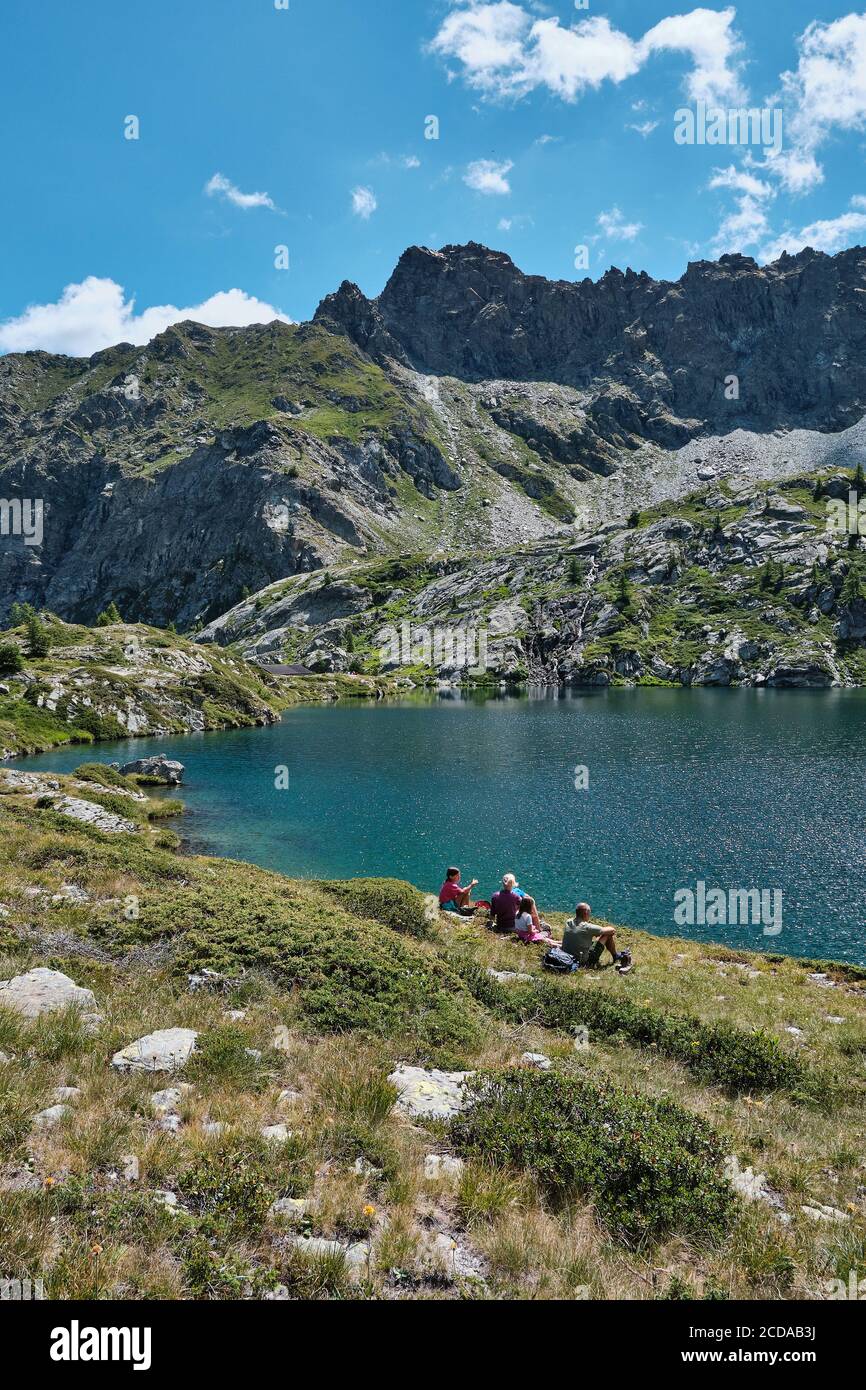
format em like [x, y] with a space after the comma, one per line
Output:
[740, 583]
[178, 1119]
[121, 681]
[469, 405]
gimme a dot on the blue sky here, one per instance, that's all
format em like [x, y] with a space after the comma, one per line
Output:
[304, 127]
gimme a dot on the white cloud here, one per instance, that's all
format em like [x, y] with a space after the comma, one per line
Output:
[505, 224]
[747, 223]
[741, 181]
[489, 176]
[505, 52]
[826, 92]
[220, 186]
[364, 203]
[645, 128]
[95, 314]
[828, 234]
[614, 225]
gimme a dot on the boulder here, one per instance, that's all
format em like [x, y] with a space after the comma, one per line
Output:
[43, 991]
[430, 1094]
[47, 1119]
[159, 768]
[438, 1166]
[167, 1050]
[89, 813]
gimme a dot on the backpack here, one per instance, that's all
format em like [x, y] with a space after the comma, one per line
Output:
[559, 961]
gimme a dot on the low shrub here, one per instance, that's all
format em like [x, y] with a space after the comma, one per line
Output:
[719, 1054]
[651, 1168]
[387, 900]
[103, 774]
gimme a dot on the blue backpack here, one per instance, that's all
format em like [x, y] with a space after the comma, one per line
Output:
[559, 961]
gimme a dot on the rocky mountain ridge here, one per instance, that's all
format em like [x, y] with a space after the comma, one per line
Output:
[469, 407]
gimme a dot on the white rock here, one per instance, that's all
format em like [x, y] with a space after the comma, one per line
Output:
[236, 1015]
[213, 1128]
[818, 1212]
[167, 1050]
[92, 1022]
[66, 1093]
[167, 1200]
[47, 1119]
[253, 1053]
[5, 1059]
[505, 976]
[752, 1186]
[289, 1097]
[795, 1032]
[356, 1255]
[438, 1166]
[282, 1039]
[276, 1134]
[833, 1018]
[169, 1123]
[363, 1168]
[71, 893]
[430, 1094]
[536, 1060]
[42, 991]
[89, 813]
[291, 1208]
[166, 1102]
[131, 1168]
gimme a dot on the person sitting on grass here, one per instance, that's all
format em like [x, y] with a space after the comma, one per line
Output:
[504, 906]
[453, 897]
[529, 926]
[581, 935]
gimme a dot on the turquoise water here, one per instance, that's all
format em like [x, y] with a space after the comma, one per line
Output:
[740, 790]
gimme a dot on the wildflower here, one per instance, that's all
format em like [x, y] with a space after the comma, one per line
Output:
[49, 1182]
[369, 1211]
[96, 1248]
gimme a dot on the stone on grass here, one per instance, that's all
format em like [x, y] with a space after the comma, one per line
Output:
[66, 1093]
[752, 1186]
[5, 1059]
[430, 1094]
[831, 1215]
[288, 1097]
[89, 813]
[130, 1169]
[282, 1039]
[276, 1134]
[47, 1119]
[291, 1208]
[167, 1050]
[213, 1128]
[356, 1255]
[438, 1166]
[43, 991]
[167, 1200]
[536, 1060]
[504, 977]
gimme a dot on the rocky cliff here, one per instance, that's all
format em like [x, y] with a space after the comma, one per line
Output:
[468, 406]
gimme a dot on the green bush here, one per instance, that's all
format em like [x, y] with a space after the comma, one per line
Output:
[10, 657]
[387, 900]
[105, 775]
[349, 972]
[719, 1054]
[651, 1168]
